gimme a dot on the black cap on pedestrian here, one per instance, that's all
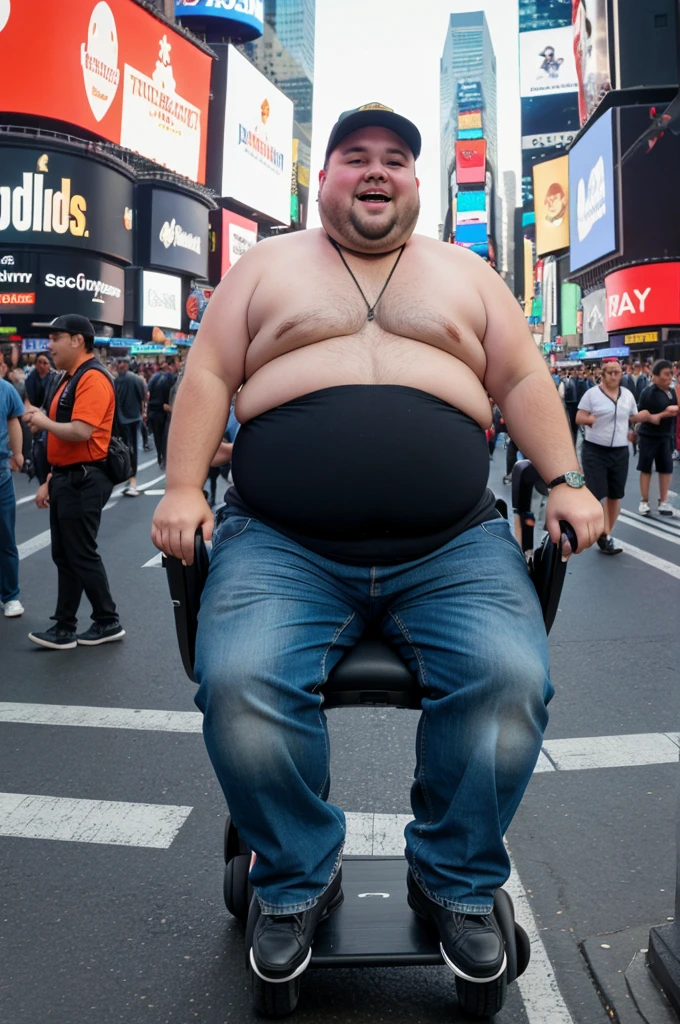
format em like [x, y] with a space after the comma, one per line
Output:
[374, 115]
[72, 323]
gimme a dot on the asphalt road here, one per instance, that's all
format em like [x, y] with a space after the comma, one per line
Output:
[99, 924]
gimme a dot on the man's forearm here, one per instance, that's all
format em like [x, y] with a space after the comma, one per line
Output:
[16, 438]
[199, 416]
[538, 425]
[77, 430]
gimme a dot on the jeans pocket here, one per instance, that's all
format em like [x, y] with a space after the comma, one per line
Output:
[500, 530]
[228, 527]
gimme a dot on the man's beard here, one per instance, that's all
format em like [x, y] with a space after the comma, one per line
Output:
[400, 224]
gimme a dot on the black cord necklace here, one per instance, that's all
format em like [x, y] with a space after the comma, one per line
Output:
[369, 307]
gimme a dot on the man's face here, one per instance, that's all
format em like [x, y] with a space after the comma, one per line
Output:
[64, 349]
[612, 374]
[555, 206]
[368, 194]
[581, 372]
[42, 365]
[663, 379]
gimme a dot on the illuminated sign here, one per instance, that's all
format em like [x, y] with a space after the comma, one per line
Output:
[643, 296]
[471, 162]
[592, 215]
[546, 62]
[239, 18]
[551, 201]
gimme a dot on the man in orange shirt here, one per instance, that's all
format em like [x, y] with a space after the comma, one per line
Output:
[78, 422]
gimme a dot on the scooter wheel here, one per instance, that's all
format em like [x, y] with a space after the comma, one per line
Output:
[523, 949]
[237, 888]
[275, 999]
[233, 844]
[482, 999]
[504, 913]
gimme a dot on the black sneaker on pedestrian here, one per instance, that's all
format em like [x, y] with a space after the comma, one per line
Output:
[56, 638]
[99, 634]
[607, 545]
[280, 946]
[471, 944]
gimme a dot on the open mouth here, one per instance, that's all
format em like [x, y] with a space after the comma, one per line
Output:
[374, 197]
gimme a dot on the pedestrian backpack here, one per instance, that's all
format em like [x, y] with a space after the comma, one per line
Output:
[119, 456]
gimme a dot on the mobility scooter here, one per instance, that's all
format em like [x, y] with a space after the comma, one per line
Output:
[375, 927]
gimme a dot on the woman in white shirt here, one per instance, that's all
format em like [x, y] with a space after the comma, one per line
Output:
[607, 411]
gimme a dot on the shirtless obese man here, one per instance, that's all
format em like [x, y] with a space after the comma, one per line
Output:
[322, 534]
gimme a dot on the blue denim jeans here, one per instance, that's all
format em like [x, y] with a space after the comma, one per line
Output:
[276, 618]
[9, 556]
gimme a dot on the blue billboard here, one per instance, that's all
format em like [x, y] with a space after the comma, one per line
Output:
[471, 234]
[469, 96]
[240, 19]
[592, 206]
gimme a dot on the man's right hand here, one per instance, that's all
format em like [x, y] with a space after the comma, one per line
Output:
[176, 519]
[42, 498]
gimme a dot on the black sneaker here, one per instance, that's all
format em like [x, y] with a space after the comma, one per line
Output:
[471, 944]
[99, 634]
[280, 946]
[56, 638]
[607, 545]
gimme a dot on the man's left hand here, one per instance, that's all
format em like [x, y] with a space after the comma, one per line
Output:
[579, 508]
[36, 420]
[16, 462]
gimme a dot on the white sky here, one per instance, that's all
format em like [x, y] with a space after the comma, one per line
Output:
[388, 51]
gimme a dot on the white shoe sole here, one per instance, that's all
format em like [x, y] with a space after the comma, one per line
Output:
[103, 640]
[467, 977]
[50, 645]
[280, 981]
[14, 615]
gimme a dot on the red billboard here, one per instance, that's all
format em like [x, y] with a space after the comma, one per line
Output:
[113, 69]
[471, 162]
[643, 296]
[232, 236]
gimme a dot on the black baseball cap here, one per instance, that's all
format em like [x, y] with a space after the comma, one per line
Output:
[374, 115]
[72, 323]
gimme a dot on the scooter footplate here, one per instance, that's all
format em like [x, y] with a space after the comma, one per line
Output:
[374, 927]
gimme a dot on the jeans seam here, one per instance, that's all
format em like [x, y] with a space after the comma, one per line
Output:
[401, 625]
[320, 713]
[219, 542]
[512, 542]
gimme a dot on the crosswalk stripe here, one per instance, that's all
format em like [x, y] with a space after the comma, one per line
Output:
[669, 524]
[155, 562]
[27, 816]
[572, 754]
[672, 536]
[652, 560]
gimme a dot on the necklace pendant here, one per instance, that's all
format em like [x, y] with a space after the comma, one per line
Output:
[371, 315]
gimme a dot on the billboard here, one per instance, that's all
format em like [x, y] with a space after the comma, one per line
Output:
[161, 300]
[470, 133]
[593, 209]
[472, 208]
[471, 162]
[233, 236]
[594, 311]
[472, 119]
[242, 19]
[546, 62]
[51, 284]
[122, 75]
[49, 197]
[551, 205]
[177, 233]
[471, 234]
[258, 141]
[591, 52]
[643, 296]
[469, 96]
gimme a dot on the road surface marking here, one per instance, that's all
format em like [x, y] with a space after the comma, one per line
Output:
[154, 562]
[382, 835]
[669, 524]
[115, 494]
[574, 754]
[653, 560]
[29, 497]
[673, 537]
[27, 816]
[156, 491]
[101, 718]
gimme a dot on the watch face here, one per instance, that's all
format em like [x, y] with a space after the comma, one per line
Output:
[575, 479]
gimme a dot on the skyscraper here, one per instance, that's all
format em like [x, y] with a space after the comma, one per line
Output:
[285, 54]
[506, 262]
[468, 114]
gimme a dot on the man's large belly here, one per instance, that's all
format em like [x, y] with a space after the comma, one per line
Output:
[366, 474]
[375, 358]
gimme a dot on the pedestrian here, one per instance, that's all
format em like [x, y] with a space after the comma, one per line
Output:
[130, 393]
[78, 425]
[38, 380]
[606, 412]
[657, 430]
[636, 382]
[11, 460]
[159, 389]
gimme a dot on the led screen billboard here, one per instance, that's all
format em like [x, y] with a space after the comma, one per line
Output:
[49, 197]
[469, 96]
[258, 141]
[176, 232]
[643, 296]
[546, 62]
[472, 208]
[471, 162]
[591, 52]
[470, 133]
[242, 19]
[471, 234]
[472, 119]
[233, 236]
[161, 300]
[51, 284]
[551, 205]
[593, 209]
[122, 75]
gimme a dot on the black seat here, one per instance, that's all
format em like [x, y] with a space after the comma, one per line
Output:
[371, 673]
